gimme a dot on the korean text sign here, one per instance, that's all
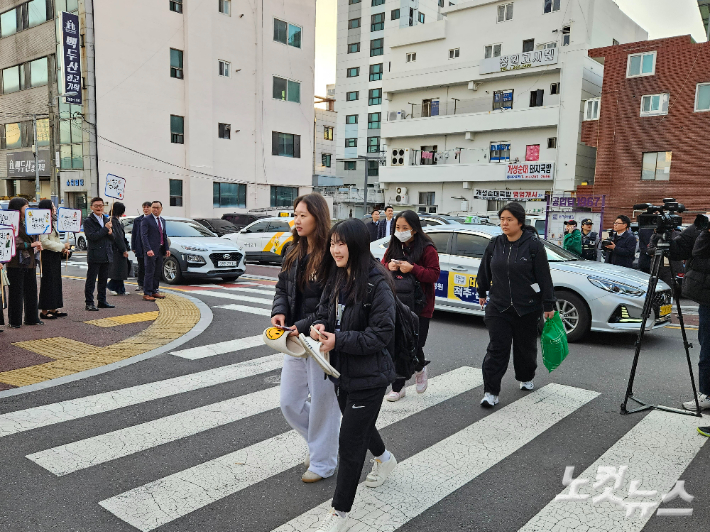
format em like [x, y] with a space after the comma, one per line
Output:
[38, 221]
[11, 218]
[71, 53]
[69, 220]
[531, 170]
[115, 186]
[7, 243]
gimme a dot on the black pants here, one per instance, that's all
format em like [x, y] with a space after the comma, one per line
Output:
[22, 294]
[153, 269]
[357, 434]
[423, 334]
[141, 270]
[96, 270]
[505, 328]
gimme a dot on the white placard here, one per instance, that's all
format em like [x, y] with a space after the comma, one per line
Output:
[115, 187]
[7, 243]
[69, 220]
[11, 218]
[38, 221]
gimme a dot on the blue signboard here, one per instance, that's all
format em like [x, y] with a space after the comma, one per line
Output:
[71, 57]
[435, 108]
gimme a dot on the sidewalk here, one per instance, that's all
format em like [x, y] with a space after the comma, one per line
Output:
[84, 340]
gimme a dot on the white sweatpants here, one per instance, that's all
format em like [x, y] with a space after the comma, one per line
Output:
[317, 419]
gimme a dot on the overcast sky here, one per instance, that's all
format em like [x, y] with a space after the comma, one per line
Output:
[661, 18]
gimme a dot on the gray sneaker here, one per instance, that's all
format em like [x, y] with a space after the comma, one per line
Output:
[703, 401]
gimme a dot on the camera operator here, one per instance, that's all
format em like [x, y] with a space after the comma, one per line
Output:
[621, 248]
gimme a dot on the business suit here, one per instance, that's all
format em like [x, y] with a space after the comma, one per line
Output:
[373, 227]
[382, 228]
[99, 257]
[137, 247]
[155, 239]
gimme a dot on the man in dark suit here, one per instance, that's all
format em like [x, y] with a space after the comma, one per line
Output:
[156, 245]
[99, 237]
[137, 244]
[373, 225]
[386, 226]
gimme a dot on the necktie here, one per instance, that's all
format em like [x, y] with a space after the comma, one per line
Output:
[160, 228]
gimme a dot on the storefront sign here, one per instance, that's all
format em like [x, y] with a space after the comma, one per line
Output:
[578, 201]
[71, 55]
[531, 171]
[504, 63]
[21, 164]
[512, 195]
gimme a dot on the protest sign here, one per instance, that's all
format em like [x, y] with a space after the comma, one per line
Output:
[7, 243]
[11, 218]
[68, 220]
[38, 221]
[115, 186]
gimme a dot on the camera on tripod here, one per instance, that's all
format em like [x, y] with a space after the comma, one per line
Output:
[662, 218]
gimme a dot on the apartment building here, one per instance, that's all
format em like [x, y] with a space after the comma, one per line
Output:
[325, 140]
[206, 106]
[650, 124]
[30, 67]
[704, 6]
[485, 105]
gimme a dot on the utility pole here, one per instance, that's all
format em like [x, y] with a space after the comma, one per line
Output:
[53, 185]
[364, 194]
[35, 150]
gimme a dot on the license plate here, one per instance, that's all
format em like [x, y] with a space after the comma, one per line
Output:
[666, 309]
[225, 263]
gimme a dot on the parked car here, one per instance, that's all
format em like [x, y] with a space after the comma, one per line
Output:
[440, 219]
[590, 295]
[218, 226]
[265, 239]
[240, 221]
[78, 240]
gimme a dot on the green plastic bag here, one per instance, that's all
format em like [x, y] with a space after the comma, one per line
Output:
[554, 342]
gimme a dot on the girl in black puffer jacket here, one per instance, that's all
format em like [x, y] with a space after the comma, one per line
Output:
[356, 320]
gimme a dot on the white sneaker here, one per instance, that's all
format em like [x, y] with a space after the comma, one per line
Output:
[333, 522]
[307, 461]
[422, 378]
[396, 396]
[529, 385]
[703, 401]
[380, 471]
[489, 400]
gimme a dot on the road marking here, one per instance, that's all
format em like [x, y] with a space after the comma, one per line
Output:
[42, 416]
[239, 283]
[123, 320]
[250, 290]
[204, 351]
[260, 277]
[420, 482]
[243, 308]
[234, 297]
[656, 451]
[89, 452]
[157, 503]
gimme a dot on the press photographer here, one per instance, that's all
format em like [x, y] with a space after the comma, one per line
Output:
[621, 248]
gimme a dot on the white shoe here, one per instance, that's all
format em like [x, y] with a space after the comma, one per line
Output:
[380, 471]
[333, 522]
[307, 461]
[396, 396]
[489, 400]
[529, 385]
[309, 477]
[422, 378]
[703, 401]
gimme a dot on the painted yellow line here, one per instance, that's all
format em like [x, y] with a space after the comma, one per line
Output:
[687, 327]
[123, 320]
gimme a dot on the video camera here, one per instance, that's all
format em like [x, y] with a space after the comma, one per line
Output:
[662, 218]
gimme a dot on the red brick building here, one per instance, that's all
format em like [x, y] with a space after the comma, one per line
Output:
[651, 126]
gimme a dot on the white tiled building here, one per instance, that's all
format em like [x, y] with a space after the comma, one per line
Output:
[324, 143]
[469, 110]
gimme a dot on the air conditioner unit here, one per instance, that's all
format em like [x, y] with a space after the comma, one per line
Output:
[402, 199]
[401, 191]
[392, 115]
[397, 156]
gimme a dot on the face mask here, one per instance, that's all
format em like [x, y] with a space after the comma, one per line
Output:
[403, 236]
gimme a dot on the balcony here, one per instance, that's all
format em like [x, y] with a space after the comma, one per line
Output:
[441, 173]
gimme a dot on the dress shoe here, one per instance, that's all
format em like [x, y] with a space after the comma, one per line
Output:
[15, 326]
[91, 307]
[105, 305]
[158, 295]
[148, 298]
[59, 314]
[40, 322]
[48, 316]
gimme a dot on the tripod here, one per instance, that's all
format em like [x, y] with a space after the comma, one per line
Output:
[662, 251]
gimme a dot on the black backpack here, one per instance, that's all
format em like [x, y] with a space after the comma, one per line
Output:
[409, 291]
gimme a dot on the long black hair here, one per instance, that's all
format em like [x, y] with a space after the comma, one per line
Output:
[318, 240]
[415, 248]
[351, 280]
[16, 204]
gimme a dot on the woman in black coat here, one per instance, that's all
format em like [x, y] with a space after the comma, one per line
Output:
[53, 251]
[118, 271]
[355, 322]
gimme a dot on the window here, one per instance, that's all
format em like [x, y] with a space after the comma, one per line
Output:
[229, 195]
[641, 65]
[374, 120]
[353, 72]
[528, 45]
[287, 90]
[70, 139]
[492, 50]
[376, 72]
[351, 143]
[702, 97]
[353, 23]
[552, 143]
[551, 5]
[656, 166]
[420, 17]
[224, 68]
[351, 119]
[591, 109]
[176, 192]
[566, 31]
[38, 72]
[453, 53]
[351, 96]
[395, 14]
[225, 7]
[294, 36]
[8, 22]
[177, 129]
[43, 133]
[13, 79]
[654, 104]
[325, 159]
[377, 2]
[328, 132]
[377, 47]
[411, 57]
[286, 33]
[441, 240]
[373, 144]
[470, 245]
[13, 136]
[224, 131]
[351, 2]
[374, 97]
[555, 88]
[37, 13]
[283, 196]
[536, 97]
[532, 152]
[373, 168]
[377, 21]
[500, 152]
[350, 165]
[546, 45]
[176, 64]
[285, 145]
[505, 12]
[503, 99]
[353, 47]
[427, 198]
[176, 5]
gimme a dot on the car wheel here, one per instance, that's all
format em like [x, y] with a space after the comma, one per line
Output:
[171, 271]
[81, 244]
[230, 278]
[574, 314]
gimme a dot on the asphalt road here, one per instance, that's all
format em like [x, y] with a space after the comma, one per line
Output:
[210, 450]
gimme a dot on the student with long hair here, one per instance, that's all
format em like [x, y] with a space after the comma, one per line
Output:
[53, 250]
[298, 293]
[412, 258]
[355, 323]
[118, 271]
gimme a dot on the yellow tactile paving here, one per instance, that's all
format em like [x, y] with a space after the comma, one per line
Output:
[176, 317]
[123, 320]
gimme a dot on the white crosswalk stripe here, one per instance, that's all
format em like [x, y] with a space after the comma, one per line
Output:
[230, 346]
[244, 308]
[250, 290]
[235, 297]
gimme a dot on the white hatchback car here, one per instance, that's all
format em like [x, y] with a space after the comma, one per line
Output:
[265, 239]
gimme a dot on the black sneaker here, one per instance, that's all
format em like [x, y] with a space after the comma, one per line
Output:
[106, 305]
[705, 431]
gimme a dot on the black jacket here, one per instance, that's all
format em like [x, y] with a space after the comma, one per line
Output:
[382, 228]
[136, 242]
[365, 342]
[119, 266]
[624, 252]
[100, 243]
[645, 236]
[696, 283]
[509, 271]
[683, 244]
[589, 245]
[373, 228]
[286, 298]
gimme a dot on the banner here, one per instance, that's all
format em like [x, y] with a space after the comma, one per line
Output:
[531, 171]
[11, 218]
[115, 186]
[71, 55]
[22, 164]
[7, 243]
[504, 63]
[68, 220]
[38, 221]
[512, 195]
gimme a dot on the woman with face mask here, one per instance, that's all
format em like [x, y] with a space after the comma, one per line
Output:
[413, 261]
[54, 250]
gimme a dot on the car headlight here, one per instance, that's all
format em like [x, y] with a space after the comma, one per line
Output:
[616, 287]
[194, 248]
[195, 259]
